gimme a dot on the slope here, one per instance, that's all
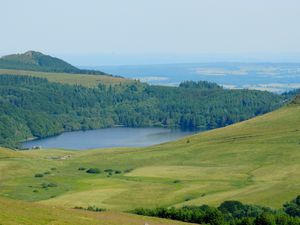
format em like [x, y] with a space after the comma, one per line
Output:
[18, 212]
[90, 81]
[256, 161]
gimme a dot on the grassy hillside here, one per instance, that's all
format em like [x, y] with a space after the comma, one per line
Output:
[17, 212]
[256, 161]
[69, 78]
[36, 61]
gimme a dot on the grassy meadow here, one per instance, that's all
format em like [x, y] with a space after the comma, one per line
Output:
[256, 161]
[67, 78]
[32, 214]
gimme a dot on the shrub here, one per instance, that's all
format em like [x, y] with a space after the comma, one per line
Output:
[81, 168]
[108, 170]
[44, 185]
[265, 219]
[293, 207]
[38, 175]
[118, 171]
[95, 209]
[213, 216]
[53, 168]
[47, 173]
[188, 198]
[93, 170]
[128, 170]
[52, 185]
[90, 208]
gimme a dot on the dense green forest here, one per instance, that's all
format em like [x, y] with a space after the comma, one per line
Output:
[36, 61]
[34, 107]
[230, 213]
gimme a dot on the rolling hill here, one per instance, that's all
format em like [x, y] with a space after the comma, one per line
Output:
[255, 161]
[37, 61]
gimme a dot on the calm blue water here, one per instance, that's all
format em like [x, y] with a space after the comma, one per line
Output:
[110, 137]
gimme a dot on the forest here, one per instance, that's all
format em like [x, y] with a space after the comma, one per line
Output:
[35, 107]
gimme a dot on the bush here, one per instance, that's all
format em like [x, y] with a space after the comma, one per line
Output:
[38, 175]
[52, 185]
[93, 170]
[44, 185]
[213, 216]
[188, 198]
[128, 170]
[108, 170]
[81, 168]
[118, 172]
[95, 209]
[265, 219]
[91, 208]
[47, 173]
[293, 207]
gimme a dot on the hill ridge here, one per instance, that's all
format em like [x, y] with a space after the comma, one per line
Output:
[37, 61]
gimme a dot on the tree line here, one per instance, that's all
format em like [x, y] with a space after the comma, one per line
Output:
[230, 213]
[35, 107]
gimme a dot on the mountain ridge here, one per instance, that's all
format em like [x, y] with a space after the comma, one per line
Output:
[37, 61]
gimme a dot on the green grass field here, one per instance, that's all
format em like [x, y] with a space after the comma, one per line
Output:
[18, 212]
[256, 161]
[67, 78]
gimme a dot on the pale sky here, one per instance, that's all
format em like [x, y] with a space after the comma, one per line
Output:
[83, 30]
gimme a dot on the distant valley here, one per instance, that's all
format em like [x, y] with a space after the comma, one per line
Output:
[274, 77]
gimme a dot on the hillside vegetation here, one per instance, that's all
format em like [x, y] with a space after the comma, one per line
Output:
[90, 81]
[255, 162]
[36, 61]
[35, 107]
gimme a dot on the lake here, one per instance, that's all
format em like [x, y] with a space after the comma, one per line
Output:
[109, 137]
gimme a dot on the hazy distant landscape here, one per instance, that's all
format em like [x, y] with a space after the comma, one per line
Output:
[274, 77]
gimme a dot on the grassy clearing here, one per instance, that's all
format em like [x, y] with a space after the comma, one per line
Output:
[256, 161]
[66, 78]
[17, 212]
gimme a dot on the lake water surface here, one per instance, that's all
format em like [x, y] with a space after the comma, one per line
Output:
[107, 138]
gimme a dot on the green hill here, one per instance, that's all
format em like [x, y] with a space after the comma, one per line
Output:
[255, 161]
[36, 61]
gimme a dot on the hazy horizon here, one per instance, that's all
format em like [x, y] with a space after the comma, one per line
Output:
[136, 32]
